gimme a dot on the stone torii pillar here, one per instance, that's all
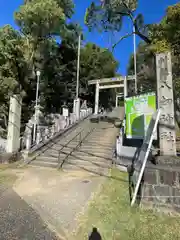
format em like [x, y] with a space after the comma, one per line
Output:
[96, 109]
[117, 97]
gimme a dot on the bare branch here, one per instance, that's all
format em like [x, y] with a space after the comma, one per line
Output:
[141, 35]
[122, 38]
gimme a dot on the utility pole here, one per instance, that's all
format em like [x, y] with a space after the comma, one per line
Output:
[135, 60]
[78, 66]
[38, 73]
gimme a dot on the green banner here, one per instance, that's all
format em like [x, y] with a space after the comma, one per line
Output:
[139, 110]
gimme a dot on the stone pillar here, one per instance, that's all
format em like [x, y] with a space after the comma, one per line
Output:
[28, 138]
[38, 135]
[116, 101]
[14, 123]
[96, 99]
[46, 133]
[167, 134]
[76, 107]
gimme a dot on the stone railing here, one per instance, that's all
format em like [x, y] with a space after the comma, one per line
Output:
[45, 133]
[3, 143]
[119, 143]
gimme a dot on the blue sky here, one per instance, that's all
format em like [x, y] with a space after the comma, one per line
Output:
[153, 11]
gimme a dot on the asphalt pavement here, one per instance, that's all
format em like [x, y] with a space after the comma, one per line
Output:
[18, 221]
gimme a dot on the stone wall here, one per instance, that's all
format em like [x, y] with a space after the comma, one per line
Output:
[161, 186]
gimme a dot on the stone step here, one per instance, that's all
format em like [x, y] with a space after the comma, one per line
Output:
[63, 150]
[64, 145]
[103, 154]
[56, 154]
[87, 162]
[78, 155]
[96, 148]
[51, 152]
[94, 141]
[52, 159]
[88, 158]
[56, 146]
[90, 169]
[44, 164]
[46, 159]
[97, 143]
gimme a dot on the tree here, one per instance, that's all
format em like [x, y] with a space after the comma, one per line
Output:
[34, 47]
[164, 37]
[108, 15]
[146, 74]
[21, 53]
[40, 21]
[13, 69]
[97, 63]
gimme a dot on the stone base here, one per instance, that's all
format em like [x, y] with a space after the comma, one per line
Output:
[159, 208]
[6, 158]
[161, 187]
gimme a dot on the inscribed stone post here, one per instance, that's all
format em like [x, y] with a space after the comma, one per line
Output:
[167, 134]
[14, 123]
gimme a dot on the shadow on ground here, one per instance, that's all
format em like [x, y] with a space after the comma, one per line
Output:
[109, 161]
[95, 235]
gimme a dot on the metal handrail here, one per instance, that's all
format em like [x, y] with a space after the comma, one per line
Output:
[78, 145]
[78, 134]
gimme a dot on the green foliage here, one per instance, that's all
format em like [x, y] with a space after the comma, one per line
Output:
[97, 63]
[34, 48]
[146, 73]
[164, 36]
[13, 69]
[108, 15]
[40, 18]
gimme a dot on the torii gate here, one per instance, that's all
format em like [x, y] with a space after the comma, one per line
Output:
[102, 84]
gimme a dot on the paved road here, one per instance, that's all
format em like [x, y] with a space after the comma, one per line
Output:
[18, 221]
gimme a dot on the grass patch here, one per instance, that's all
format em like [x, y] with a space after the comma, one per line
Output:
[111, 213]
[6, 177]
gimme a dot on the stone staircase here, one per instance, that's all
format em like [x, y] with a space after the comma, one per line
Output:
[94, 155]
[48, 156]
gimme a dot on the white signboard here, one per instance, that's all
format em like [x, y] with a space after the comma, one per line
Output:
[65, 112]
[142, 158]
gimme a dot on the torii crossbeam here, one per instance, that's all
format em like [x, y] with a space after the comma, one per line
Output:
[115, 82]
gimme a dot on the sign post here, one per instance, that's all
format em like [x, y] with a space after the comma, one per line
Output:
[144, 153]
